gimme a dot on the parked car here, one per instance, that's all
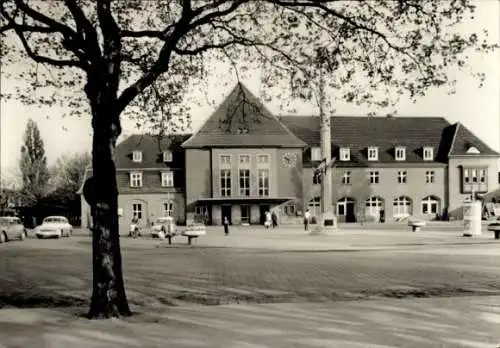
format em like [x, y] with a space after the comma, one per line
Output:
[54, 227]
[11, 227]
[162, 227]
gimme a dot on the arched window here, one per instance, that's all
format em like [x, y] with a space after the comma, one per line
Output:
[373, 206]
[314, 206]
[430, 205]
[401, 207]
[344, 205]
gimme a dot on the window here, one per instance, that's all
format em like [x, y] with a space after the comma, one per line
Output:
[244, 182]
[137, 156]
[428, 153]
[317, 176]
[315, 154]
[137, 210]
[314, 206]
[401, 207]
[346, 177]
[289, 209]
[429, 177]
[135, 179]
[168, 208]
[373, 206]
[263, 160]
[225, 161]
[263, 182]
[244, 161]
[402, 177]
[374, 177]
[167, 179]
[201, 213]
[225, 182]
[400, 153]
[430, 205]
[373, 153]
[167, 156]
[474, 179]
[345, 154]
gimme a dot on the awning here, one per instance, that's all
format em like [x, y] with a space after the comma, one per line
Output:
[245, 200]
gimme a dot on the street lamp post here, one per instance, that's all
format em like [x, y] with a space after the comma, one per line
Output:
[327, 219]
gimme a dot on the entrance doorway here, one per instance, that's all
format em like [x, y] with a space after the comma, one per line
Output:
[226, 212]
[263, 209]
[350, 214]
[245, 213]
[346, 208]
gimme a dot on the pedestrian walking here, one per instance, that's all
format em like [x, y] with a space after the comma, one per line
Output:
[307, 217]
[274, 219]
[226, 225]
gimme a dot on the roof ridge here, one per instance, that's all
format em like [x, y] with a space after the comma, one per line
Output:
[452, 145]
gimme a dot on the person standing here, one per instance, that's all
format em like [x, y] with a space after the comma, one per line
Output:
[267, 222]
[226, 225]
[307, 217]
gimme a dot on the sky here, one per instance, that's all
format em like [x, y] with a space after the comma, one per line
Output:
[476, 108]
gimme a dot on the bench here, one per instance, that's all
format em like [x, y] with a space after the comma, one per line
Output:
[189, 232]
[495, 228]
[416, 225]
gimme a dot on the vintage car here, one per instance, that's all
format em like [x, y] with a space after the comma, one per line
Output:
[54, 227]
[11, 227]
[162, 227]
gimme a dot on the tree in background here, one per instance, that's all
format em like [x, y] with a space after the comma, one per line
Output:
[33, 165]
[67, 174]
[141, 57]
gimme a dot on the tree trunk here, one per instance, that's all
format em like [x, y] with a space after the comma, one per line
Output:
[108, 295]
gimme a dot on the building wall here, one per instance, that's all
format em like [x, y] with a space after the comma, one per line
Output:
[456, 196]
[198, 179]
[290, 183]
[151, 181]
[387, 189]
[253, 153]
[152, 205]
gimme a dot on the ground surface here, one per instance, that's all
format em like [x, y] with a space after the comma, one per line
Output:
[321, 291]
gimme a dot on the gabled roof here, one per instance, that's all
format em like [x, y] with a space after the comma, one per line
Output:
[242, 120]
[466, 143]
[359, 133]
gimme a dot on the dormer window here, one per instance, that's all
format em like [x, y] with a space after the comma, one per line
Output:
[345, 154]
[400, 153]
[315, 154]
[373, 153]
[472, 150]
[167, 156]
[428, 153]
[137, 156]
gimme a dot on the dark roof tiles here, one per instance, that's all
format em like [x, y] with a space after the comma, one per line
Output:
[359, 133]
[242, 120]
[465, 139]
[152, 150]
